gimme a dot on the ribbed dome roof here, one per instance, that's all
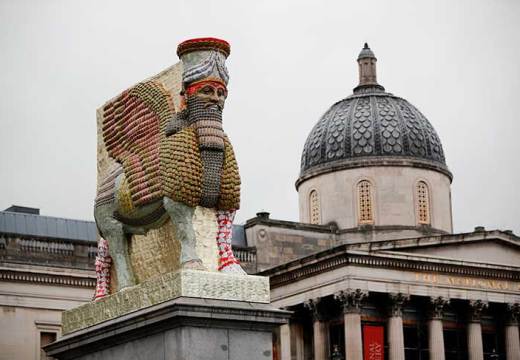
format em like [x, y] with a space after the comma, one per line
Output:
[371, 124]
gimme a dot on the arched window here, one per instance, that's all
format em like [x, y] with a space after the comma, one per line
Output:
[314, 207]
[365, 205]
[423, 203]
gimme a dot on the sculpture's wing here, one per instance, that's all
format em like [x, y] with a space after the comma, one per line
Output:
[133, 125]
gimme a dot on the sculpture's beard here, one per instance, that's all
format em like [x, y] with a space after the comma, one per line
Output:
[206, 118]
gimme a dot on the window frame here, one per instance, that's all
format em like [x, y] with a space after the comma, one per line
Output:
[428, 199]
[371, 202]
[313, 221]
[45, 327]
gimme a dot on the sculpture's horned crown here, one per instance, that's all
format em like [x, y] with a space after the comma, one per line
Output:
[204, 59]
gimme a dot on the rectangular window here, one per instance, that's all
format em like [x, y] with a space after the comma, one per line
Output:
[493, 344]
[415, 342]
[337, 338]
[365, 206]
[455, 344]
[46, 337]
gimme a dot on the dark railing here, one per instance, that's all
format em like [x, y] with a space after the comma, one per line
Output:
[245, 254]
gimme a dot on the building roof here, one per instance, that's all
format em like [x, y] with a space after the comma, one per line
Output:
[374, 125]
[25, 224]
[25, 221]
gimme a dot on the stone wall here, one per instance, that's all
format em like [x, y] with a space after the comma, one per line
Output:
[278, 241]
[29, 309]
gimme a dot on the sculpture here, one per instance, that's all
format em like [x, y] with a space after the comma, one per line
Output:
[167, 162]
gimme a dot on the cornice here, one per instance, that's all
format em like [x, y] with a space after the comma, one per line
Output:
[293, 225]
[341, 257]
[372, 161]
[47, 278]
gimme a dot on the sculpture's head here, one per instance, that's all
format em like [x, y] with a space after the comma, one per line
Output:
[205, 75]
[204, 81]
[212, 93]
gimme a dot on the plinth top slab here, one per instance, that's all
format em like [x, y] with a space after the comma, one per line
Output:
[185, 283]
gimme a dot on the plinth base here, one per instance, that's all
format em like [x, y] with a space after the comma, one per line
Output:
[180, 329]
[184, 283]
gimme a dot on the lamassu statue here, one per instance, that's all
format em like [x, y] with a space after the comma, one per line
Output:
[169, 154]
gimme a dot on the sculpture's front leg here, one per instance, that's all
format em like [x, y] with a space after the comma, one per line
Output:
[103, 265]
[113, 231]
[227, 261]
[181, 216]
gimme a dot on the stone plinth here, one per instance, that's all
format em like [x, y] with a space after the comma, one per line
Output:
[183, 328]
[160, 289]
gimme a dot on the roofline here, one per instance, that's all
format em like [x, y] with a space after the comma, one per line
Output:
[47, 216]
[332, 227]
[438, 240]
[49, 238]
[294, 225]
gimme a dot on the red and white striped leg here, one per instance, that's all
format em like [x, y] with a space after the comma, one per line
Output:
[227, 262]
[103, 265]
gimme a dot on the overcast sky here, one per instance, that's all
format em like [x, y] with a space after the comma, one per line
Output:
[457, 61]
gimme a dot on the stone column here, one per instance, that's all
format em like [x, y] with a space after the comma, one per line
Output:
[320, 332]
[435, 330]
[395, 327]
[511, 332]
[475, 348]
[285, 342]
[297, 345]
[350, 300]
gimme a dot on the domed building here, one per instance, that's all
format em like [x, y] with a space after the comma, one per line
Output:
[374, 166]
[373, 270]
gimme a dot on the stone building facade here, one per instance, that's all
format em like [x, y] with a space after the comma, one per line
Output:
[46, 267]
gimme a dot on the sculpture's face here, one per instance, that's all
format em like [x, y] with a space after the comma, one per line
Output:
[205, 101]
[210, 93]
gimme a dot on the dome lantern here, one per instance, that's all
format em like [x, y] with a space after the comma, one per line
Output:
[367, 71]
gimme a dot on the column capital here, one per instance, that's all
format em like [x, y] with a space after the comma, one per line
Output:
[351, 299]
[475, 309]
[397, 301]
[437, 306]
[312, 306]
[513, 313]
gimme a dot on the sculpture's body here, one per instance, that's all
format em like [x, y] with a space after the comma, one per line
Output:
[168, 162]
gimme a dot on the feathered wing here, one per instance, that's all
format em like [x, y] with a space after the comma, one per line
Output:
[133, 126]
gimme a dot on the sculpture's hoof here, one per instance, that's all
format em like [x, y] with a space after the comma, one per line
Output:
[194, 265]
[233, 269]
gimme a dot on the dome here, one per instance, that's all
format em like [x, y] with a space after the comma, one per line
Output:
[371, 127]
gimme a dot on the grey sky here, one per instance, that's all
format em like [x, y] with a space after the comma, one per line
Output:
[457, 61]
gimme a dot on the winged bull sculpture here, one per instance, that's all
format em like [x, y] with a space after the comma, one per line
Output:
[167, 163]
